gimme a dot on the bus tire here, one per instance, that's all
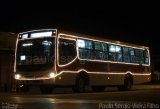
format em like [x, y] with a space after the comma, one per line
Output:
[46, 89]
[98, 88]
[80, 84]
[128, 82]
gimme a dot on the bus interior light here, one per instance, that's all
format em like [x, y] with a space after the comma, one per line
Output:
[27, 44]
[24, 36]
[81, 43]
[23, 57]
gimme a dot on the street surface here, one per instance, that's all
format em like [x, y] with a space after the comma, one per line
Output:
[140, 97]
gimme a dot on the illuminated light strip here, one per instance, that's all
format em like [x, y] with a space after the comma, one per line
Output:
[55, 65]
[38, 31]
[145, 65]
[102, 72]
[38, 38]
[149, 57]
[61, 34]
[108, 61]
[15, 55]
[106, 73]
[35, 78]
[103, 41]
[131, 73]
[59, 37]
[67, 38]
[138, 74]
[111, 61]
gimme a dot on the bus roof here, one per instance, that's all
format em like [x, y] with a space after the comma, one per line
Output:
[101, 39]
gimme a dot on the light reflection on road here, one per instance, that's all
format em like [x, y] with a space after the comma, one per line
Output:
[54, 103]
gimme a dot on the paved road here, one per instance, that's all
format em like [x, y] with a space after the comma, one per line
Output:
[139, 98]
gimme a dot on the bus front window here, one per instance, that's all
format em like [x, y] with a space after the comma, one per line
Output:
[35, 54]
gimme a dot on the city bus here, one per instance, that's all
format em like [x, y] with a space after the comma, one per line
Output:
[53, 58]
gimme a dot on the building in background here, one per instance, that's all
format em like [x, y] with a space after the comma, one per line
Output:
[7, 47]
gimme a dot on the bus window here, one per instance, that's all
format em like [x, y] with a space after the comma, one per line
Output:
[146, 56]
[67, 51]
[119, 53]
[132, 55]
[85, 49]
[115, 53]
[88, 44]
[112, 52]
[99, 54]
[105, 51]
[126, 55]
[139, 56]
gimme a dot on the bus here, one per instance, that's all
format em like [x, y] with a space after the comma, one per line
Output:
[53, 58]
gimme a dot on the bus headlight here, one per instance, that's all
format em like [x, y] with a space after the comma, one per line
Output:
[52, 75]
[17, 76]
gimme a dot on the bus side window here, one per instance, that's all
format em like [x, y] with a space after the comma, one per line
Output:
[85, 49]
[132, 55]
[119, 53]
[126, 55]
[115, 53]
[146, 56]
[67, 51]
[139, 56]
[99, 54]
[112, 55]
[105, 51]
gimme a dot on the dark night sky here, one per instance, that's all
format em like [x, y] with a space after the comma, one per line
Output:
[132, 23]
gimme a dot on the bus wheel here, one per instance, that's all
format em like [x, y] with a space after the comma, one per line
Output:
[128, 82]
[98, 88]
[80, 84]
[46, 89]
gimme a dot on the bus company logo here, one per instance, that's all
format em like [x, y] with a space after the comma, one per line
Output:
[9, 106]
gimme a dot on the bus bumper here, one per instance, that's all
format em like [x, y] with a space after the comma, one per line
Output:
[36, 82]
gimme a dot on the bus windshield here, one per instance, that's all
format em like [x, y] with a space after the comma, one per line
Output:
[34, 53]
